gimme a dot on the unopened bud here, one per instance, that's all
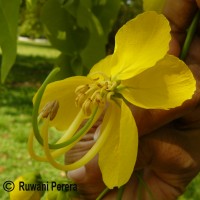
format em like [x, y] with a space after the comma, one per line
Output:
[19, 194]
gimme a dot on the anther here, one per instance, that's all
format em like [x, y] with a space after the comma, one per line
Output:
[80, 99]
[99, 85]
[91, 89]
[50, 110]
[98, 98]
[82, 89]
[87, 106]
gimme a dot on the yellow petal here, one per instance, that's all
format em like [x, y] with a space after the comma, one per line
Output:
[118, 155]
[64, 92]
[140, 43]
[156, 5]
[18, 193]
[167, 85]
[103, 66]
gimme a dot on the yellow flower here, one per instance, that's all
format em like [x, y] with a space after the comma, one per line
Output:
[139, 72]
[23, 192]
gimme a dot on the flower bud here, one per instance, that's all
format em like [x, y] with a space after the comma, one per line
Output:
[23, 191]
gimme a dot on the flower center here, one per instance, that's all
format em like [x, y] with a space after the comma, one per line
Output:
[94, 94]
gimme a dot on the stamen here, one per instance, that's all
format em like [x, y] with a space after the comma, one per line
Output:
[80, 99]
[82, 89]
[31, 149]
[96, 93]
[113, 86]
[98, 98]
[85, 159]
[91, 89]
[81, 132]
[37, 101]
[87, 106]
[72, 128]
[50, 109]
[109, 95]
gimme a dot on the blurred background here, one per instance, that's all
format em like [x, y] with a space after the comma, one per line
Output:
[51, 33]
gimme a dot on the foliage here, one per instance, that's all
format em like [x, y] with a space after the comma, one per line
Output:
[8, 34]
[15, 114]
[30, 24]
[80, 29]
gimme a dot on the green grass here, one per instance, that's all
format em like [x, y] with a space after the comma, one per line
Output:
[32, 65]
[193, 191]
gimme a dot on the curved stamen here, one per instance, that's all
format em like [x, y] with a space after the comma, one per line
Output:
[90, 122]
[68, 139]
[31, 149]
[38, 99]
[35, 113]
[85, 159]
[73, 127]
[78, 136]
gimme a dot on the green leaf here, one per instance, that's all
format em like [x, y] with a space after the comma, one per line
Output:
[9, 11]
[64, 63]
[71, 6]
[107, 11]
[95, 49]
[100, 21]
[62, 30]
[70, 66]
[31, 3]
[80, 29]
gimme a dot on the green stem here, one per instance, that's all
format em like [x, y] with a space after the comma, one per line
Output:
[190, 34]
[105, 191]
[120, 192]
[142, 182]
[77, 135]
[139, 190]
[37, 104]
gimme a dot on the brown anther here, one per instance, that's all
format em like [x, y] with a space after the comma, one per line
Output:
[96, 79]
[97, 101]
[50, 110]
[94, 94]
[99, 85]
[98, 98]
[87, 106]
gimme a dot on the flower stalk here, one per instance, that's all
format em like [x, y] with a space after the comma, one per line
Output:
[190, 35]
